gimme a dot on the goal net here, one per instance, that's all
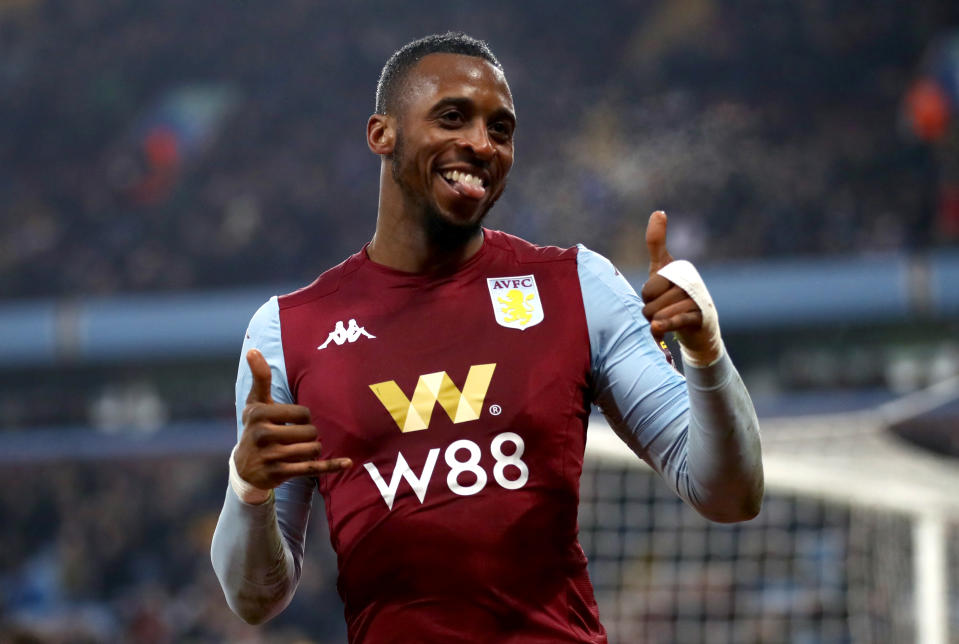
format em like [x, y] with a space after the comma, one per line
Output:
[857, 541]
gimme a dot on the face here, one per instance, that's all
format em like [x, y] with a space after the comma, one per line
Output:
[454, 140]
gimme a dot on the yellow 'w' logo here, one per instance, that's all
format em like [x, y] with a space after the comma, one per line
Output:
[431, 388]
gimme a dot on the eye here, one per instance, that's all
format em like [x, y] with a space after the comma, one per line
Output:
[452, 117]
[501, 130]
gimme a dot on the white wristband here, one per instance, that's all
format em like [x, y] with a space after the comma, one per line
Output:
[247, 493]
[684, 275]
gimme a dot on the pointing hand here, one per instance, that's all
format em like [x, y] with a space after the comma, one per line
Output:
[278, 442]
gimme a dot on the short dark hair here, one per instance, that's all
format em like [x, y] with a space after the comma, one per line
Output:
[404, 59]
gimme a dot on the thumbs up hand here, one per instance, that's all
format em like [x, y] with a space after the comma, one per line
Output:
[656, 242]
[262, 379]
[278, 442]
[670, 306]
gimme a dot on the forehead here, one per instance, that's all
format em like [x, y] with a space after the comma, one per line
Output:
[439, 76]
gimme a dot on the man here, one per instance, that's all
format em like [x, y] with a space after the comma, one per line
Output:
[446, 432]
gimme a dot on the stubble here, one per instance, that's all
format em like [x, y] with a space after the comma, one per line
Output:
[441, 231]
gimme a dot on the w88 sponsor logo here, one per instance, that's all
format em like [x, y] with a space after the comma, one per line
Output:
[509, 470]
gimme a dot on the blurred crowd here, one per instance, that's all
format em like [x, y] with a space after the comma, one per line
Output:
[118, 551]
[170, 145]
[167, 145]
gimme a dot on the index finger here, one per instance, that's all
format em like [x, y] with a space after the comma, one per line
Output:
[654, 287]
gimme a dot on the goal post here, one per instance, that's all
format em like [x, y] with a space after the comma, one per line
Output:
[856, 541]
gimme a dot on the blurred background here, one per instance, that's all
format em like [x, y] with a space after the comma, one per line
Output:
[167, 166]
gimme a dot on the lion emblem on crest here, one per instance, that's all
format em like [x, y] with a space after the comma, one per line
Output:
[516, 308]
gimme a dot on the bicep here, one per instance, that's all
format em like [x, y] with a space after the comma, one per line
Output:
[642, 396]
[264, 334]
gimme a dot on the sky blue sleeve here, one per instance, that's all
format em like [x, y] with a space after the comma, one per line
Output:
[642, 396]
[257, 550]
[263, 333]
[700, 433]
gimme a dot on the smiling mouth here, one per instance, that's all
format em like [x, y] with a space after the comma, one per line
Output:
[466, 184]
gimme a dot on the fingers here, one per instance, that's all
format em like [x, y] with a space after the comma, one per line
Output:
[294, 452]
[266, 434]
[275, 473]
[655, 288]
[275, 414]
[672, 310]
[332, 465]
[278, 441]
[656, 242]
[315, 468]
[268, 455]
[262, 377]
[282, 471]
[679, 323]
[669, 307]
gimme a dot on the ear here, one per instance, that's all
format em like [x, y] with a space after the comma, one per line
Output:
[381, 134]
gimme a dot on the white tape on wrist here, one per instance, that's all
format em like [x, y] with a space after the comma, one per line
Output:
[246, 492]
[684, 275]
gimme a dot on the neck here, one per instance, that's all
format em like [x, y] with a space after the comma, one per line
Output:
[417, 251]
[413, 241]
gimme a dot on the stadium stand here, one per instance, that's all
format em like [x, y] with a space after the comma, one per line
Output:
[166, 165]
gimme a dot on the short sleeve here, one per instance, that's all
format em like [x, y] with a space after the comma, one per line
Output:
[263, 334]
[642, 396]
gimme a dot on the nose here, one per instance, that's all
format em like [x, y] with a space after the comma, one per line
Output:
[477, 139]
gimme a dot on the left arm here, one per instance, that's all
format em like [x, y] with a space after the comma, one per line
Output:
[724, 454]
[700, 433]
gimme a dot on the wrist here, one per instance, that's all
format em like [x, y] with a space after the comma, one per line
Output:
[247, 492]
[704, 357]
[708, 349]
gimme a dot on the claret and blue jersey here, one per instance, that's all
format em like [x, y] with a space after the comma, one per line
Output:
[463, 402]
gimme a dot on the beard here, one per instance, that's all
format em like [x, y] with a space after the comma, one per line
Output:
[441, 230]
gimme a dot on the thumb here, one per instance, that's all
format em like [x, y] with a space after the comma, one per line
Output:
[656, 242]
[262, 376]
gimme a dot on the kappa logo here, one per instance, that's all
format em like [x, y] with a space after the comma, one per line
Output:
[341, 335]
[413, 414]
[516, 303]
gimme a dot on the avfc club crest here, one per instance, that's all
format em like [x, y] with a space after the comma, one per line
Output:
[516, 303]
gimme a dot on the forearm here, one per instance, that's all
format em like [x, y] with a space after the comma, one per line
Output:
[700, 434]
[724, 454]
[257, 548]
[255, 566]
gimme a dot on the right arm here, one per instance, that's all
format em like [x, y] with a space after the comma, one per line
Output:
[257, 548]
[700, 433]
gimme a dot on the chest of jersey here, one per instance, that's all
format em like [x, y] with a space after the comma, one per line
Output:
[462, 403]
[396, 371]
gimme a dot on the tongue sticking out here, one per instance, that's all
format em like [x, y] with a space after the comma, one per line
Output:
[469, 190]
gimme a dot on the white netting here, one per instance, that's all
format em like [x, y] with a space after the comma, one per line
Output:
[836, 555]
